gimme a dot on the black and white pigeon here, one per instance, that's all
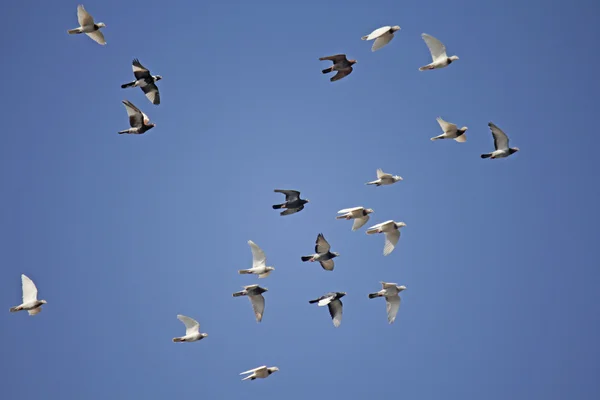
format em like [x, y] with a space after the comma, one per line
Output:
[390, 291]
[322, 254]
[138, 121]
[254, 293]
[293, 202]
[144, 80]
[332, 300]
[500, 144]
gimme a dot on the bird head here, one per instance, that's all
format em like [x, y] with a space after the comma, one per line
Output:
[152, 125]
[400, 225]
[157, 77]
[464, 128]
[340, 294]
[352, 62]
[513, 150]
[270, 269]
[43, 301]
[369, 210]
[395, 28]
[335, 254]
[307, 201]
[101, 24]
[454, 58]
[273, 369]
[397, 178]
[401, 288]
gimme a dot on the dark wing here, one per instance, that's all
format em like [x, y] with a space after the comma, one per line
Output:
[291, 210]
[290, 195]
[335, 310]
[136, 118]
[327, 265]
[322, 246]
[139, 70]
[151, 91]
[341, 74]
[500, 138]
[336, 58]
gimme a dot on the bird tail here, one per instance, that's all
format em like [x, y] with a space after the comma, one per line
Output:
[486, 155]
[313, 301]
[372, 183]
[326, 70]
[244, 271]
[341, 216]
[125, 131]
[238, 294]
[277, 206]
[126, 85]
[15, 309]
[372, 231]
[365, 37]
[74, 31]
[373, 295]
[178, 339]
[437, 138]
[425, 67]
[306, 258]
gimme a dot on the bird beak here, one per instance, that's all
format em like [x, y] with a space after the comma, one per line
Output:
[307, 200]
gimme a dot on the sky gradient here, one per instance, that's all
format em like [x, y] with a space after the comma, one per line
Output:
[121, 233]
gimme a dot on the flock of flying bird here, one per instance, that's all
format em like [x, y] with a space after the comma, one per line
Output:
[140, 123]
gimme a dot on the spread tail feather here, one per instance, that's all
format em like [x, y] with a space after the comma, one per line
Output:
[244, 271]
[326, 70]
[15, 309]
[306, 258]
[126, 85]
[486, 155]
[178, 339]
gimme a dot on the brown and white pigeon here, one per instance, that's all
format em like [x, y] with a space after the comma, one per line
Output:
[340, 64]
[144, 80]
[500, 144]
[138, 121]
[88, 26]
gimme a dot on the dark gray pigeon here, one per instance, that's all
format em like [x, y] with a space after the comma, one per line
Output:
[293, 202]
[322, 254]
[332, 300]
[144, 80]
[254, 293]
[341, 64]
[138, 121]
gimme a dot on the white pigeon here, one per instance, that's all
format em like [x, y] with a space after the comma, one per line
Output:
[451, 131]
[438, 53]
[392, 234]
[500, 144]
[360, 216]
[390, 292]
[192, 330]
[87, 26]
[30, 301]
[259, 260]
[382, 35]
[260, 372]
[384, 178]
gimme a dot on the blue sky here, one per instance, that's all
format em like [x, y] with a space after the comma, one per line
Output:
[122, 233]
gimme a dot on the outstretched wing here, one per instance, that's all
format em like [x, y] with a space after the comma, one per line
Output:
[290, 195]
[29, 289]
[436, 48]
[322, 246]
[136, 117]
[97, 37]
[391, 240]
[83, 17]
[35, 311]
[335, 310]
[264, 367]
[377, 33]
[336, 58]
[289, 211]
[191, 325]
[347, 210]
[446, 126]
[382, 41]
[381, 174]
[392, 307]
[359, 222]
[500, 138]
[258, 306]
[258, 256]
[139, 71]
[341, 74]
[327, 265]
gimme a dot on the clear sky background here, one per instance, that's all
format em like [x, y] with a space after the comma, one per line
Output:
[122, 232]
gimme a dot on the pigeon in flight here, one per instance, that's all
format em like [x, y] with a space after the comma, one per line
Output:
[254, 293]
[260, 372]
[390, 292]
[384, 179]
[259, 260]
[438, 53]
[293, 202]
[383, 36]
[144, 80]
[340, 64]
[322, 254]
[138, 121]
[192, 330]
[500, 143]
[392, 234]
[332, 300]
[88, 26]
[360, 215]
[451, 131]
[30, 301]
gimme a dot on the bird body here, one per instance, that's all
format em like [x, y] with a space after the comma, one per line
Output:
[254, 293]
[139, 122]
[30, 301]
[341, 64]
[382, 35]
[438, 53]
[259, 260]
[390, 291]
[293, 203]
[192, 330]
[500, 144]
[451, 131]
[391, 230]
[384, 178]
[260, 372]
[323, 255]
[88, 26]
[145, 81]
[335, 305]
[360, 215]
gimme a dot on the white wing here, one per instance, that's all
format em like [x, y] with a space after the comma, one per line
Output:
[347, 210]
[446, 126]
[324, 301]
[381, 174]
[35, 311]
[359, 222]
[391, 239]
[386, 285]
[392, 307]
[500, 138]
[97, 36]
[436, 48]
[377, 33]
[191, 325]
[258, 306]
[382, 41]
[84, 17]
[258, 256]
[146, 119]
[264, 367]
[29, 289]
[380, 225]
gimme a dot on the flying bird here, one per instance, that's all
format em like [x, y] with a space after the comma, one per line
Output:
[322, 254]
[500, 144]
[340, 64]
[144, 80]
[392, 299]
[192, 330]
[438, 53]
[332, 300]
[382, 35]
[259, 260]
[360, 215]
[138, 121]
[254, 293]
[392, 234]
[293, 202]
[87, 26]
[384, 178]
[451, 131]
[260, 372]
[30, 300]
